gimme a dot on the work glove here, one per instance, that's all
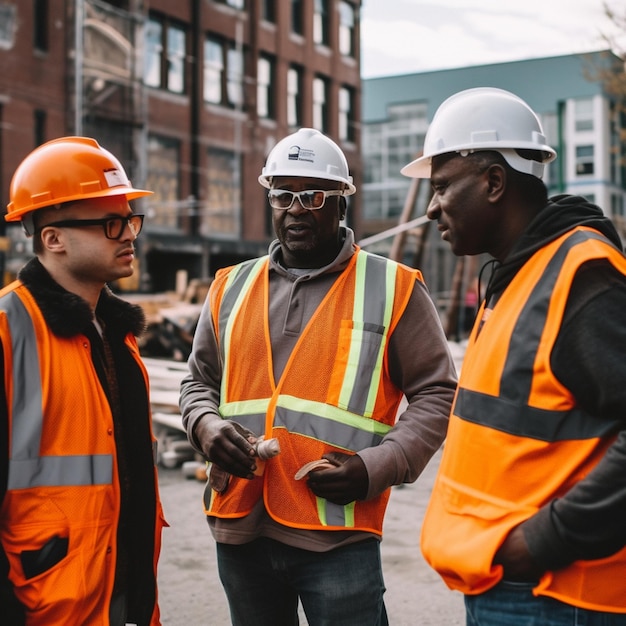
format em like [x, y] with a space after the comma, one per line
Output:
[228, 445]
[343, 483]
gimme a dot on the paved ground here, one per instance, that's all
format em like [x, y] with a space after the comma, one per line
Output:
[191, 594]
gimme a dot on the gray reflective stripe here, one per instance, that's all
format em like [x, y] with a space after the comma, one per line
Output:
[26, 467]
[335, 514]
[55, 471]
[526, 421]
[237, 286]
[529, 327]
[27, 403]
[333, 426]
[373, 305]
[509, 412]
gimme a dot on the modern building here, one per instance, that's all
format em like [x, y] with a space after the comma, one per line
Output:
[191, 96]
[579, 118]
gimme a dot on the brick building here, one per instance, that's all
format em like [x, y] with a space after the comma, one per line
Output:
[191, 96]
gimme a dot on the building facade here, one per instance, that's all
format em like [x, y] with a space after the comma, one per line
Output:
[191, 96]
[579, 118]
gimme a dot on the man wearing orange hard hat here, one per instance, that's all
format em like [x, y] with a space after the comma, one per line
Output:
[80, 515]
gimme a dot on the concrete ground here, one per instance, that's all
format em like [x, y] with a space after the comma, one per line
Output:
[191, 594]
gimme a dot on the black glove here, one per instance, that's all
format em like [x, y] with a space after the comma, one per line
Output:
[228, 445]
[344, 483]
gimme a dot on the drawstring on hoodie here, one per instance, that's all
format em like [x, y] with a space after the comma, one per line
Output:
[493, 265]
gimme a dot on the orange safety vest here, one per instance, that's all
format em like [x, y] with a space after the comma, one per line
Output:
[62, 478]
[516, 438]
[334, 395]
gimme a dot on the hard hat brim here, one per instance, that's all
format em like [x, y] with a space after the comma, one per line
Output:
[131, 193]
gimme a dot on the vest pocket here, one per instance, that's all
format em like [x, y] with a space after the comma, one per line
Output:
[35, 562]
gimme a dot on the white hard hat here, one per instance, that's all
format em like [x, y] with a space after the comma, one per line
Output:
[307, 153]
[484, 118]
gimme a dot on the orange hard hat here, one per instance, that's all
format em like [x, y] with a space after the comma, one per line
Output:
[64, 170]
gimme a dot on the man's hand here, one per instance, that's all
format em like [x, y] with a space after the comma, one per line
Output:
[515, 558]
[346, 482]
[228, 445]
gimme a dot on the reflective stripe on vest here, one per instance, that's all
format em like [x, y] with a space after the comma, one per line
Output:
[26, 467]
[372, 274]
[510, 411]
[236, 288]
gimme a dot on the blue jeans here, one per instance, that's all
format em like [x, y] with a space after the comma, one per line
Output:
[513, 604]
[264, 579]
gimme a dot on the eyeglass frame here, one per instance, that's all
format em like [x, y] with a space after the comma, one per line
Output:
[296, 194]
[123, 220]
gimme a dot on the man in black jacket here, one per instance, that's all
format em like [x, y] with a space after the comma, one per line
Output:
[80, 517]
[528, 514]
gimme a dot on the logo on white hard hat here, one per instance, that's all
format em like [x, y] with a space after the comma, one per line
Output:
[296, 153]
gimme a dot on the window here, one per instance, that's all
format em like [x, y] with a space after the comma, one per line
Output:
[154, 48]
[297, 17]
[175, 59]
[222, 208]
[294, 101]
[163, 178]
[320, 22]
[265, 87]
[165, 56]
[584, 160]
[346, 114]
[40, 25]
[320, 104]
[39, 126]
[235, 4]
[234, 77]
[223, 73]
[8, 25]
[583, 113]
[213, 71]
[268, 10]
[346, 29]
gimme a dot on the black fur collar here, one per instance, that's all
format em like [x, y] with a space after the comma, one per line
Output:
[68, 315]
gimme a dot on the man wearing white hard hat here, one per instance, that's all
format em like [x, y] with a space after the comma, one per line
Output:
[312, 347]
[528, 513]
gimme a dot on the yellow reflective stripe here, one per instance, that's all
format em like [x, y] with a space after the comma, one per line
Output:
[349, 514]
[244, 407]
[321, 510]
[243, 290]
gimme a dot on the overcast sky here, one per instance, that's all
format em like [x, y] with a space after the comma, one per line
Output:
[404, 36]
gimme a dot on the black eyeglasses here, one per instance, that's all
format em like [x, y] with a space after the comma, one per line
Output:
[113, 226]
[311, 199]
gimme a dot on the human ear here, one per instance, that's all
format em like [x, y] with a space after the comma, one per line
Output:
[496, 182]
[51, 239]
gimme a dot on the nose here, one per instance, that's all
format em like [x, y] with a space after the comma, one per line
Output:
[296, 208]
[433, 211]
[128, 232]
